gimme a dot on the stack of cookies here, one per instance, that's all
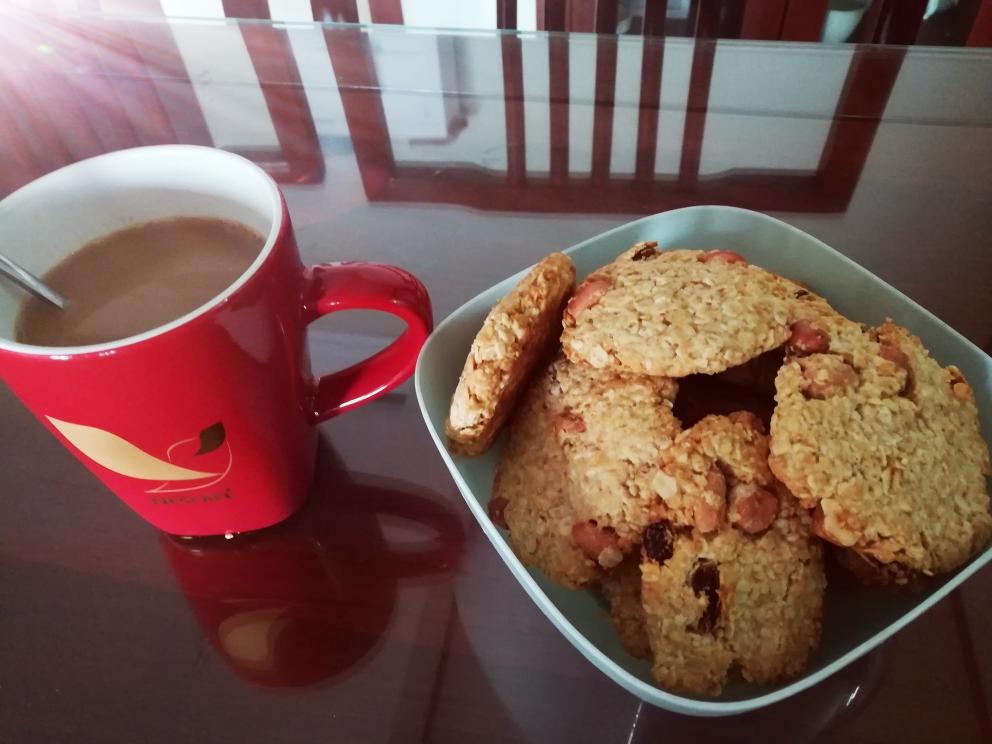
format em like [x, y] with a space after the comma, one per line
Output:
[704, 526]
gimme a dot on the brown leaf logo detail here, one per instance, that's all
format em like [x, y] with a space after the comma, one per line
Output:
[211, 438]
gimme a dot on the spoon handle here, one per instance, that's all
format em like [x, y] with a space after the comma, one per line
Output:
[30, 282]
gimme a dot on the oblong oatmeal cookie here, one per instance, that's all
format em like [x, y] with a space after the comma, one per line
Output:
[737, 581]
[518, 333]
[680, 312]
[884, 444]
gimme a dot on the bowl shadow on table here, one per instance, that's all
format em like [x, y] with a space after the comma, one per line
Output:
[303, 603]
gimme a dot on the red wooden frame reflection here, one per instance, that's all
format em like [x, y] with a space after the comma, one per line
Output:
[981, 29]
[298, 158]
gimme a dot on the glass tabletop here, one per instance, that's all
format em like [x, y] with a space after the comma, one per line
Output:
[379, 612]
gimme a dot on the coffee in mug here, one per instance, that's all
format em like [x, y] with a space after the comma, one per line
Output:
[138, 278]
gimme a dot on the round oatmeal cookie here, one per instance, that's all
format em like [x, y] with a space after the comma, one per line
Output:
[621, 587]
[613, 428]
[531, 491]
[518, 334]
[884, 444]
[728, 597]
[715, 472]
[680, 312]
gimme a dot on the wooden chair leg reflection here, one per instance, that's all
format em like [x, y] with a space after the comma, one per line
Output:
[513, 101]
[298, 157]
[652, 58]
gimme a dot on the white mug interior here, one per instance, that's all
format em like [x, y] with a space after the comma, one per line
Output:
[49, 218]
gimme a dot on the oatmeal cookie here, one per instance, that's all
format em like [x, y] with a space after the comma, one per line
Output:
[517, 334]
[613, 429]
[884, 444]
[531, 490]
[728, 597]
[679, 312]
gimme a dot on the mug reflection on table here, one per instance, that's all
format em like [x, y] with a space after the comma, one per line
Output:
[306, 600]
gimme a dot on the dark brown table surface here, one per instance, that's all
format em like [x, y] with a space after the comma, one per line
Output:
[379, 612]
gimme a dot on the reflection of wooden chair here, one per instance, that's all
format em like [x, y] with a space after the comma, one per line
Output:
[870, 78]
[298, 157]
[886, 22]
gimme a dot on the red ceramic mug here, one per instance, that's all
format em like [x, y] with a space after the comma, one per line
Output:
[205, 425]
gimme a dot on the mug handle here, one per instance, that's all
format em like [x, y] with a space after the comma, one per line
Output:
[359, 285]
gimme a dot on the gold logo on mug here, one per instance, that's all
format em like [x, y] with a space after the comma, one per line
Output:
[120, 456]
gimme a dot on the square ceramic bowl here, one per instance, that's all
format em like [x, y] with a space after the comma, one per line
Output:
[856, 619]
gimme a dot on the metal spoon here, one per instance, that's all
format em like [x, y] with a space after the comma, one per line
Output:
[30, 282]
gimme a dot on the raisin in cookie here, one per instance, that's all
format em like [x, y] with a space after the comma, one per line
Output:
[612, 428]
[885, 444]
[679, 312]
[531, 491]
[516, 335]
